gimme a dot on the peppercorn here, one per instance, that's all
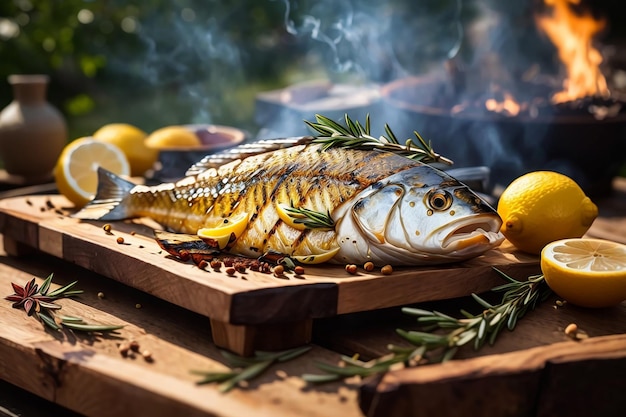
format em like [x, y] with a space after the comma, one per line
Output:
[279, 270]
[386, 270]
[351, 269]
[369, 266]
[107, 228]
[120, 240]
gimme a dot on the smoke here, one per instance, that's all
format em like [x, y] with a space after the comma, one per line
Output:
[379, 41]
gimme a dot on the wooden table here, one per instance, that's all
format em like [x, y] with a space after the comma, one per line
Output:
[536, 370]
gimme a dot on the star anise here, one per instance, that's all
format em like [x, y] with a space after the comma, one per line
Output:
[38, 301]
[29, 299]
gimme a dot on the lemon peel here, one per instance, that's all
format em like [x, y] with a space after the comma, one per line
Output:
[131, 140]
[541, 207]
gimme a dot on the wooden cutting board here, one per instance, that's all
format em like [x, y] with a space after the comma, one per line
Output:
[250, 310]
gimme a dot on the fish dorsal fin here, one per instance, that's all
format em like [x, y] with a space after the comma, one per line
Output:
[245, 150]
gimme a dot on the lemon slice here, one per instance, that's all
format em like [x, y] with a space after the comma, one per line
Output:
[586, 272]
[75, 173]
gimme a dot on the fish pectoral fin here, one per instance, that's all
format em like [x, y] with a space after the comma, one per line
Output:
[227, 231]
[183, 246]
[317, 258]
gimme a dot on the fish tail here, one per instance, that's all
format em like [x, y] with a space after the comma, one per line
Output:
[111, 200]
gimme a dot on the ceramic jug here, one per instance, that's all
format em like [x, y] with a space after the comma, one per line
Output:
[32, 131]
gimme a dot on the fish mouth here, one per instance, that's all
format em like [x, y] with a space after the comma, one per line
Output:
[474, 231]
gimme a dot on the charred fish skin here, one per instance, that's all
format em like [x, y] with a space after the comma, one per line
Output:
[358, 188]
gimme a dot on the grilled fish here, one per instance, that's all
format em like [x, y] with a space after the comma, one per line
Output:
[315, 205]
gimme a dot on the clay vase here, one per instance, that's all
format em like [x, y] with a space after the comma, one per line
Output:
[32, 131]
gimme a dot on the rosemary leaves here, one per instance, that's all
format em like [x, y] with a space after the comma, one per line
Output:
[444, 334]
[246, 369]
[38, 301]
[356, 136]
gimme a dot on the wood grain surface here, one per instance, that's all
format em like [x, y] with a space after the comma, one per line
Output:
[252, 298]
[535, 370]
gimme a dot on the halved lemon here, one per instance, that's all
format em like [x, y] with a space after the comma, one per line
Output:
[75, 173]
[586, 272]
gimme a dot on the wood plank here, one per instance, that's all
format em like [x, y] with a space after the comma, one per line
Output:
[88, 375]
[568, 378]
[254, 298]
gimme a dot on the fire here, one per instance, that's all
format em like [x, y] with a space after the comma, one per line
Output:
[572, 33]
[508, 105]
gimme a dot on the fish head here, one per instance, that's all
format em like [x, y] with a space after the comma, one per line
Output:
[421, 216]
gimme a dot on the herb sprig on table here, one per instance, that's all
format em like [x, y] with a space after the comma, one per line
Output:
[246, 369]
[39, 302]
[439, 341]
[356, 136]
[431, 345]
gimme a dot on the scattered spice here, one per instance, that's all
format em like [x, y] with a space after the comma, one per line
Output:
[386, 270]
[560, 303]
[147, 355]
[231, 271]
[298, 270]
[572, 330]
[134, 345]
[203, 264]
[38, 301]
[137, 305]
[101, 295]
[124, 348]
[120, 240]
[351, 269]
[133, 233]
[279, 270]
[107, 228]
[215, 264]
[369, 266]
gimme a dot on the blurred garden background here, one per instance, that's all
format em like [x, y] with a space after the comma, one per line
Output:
[161, 62]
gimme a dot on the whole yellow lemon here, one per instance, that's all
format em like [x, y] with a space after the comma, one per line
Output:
[131, 140]
[541, 207]
[171, 137]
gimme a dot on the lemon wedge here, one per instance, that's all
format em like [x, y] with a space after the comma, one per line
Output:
[76, 174]
[586, 272]
[229, 229]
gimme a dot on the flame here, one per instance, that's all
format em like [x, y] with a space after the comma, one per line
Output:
[572, 33]
[507, 105]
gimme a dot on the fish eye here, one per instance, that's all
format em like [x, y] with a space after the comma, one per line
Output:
[439, 200]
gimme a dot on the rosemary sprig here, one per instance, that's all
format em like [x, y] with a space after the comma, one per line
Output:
[38, 301]
[310, 218]
[246, 369]
[356, 136]
[429, 346]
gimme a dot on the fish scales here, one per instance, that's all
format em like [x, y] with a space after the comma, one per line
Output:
[301, 175]
[386, 208]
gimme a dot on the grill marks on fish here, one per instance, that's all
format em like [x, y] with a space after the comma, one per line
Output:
[301, 176]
